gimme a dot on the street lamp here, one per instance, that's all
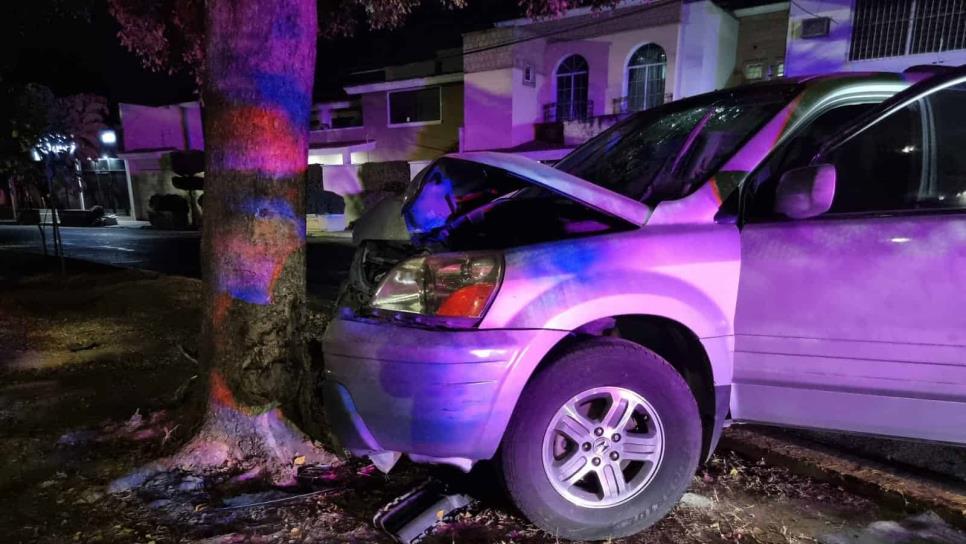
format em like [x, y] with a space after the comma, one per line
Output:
[108, 137]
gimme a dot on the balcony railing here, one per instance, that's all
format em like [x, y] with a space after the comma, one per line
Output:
[568, 111]
[627, 104]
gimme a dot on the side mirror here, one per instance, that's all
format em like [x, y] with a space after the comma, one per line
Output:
[806, 192]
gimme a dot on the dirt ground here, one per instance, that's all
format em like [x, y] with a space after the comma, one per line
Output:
[91, 372]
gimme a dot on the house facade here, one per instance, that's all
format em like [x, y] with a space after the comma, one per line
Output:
[541, 88]
[410, 112]
[874, 35]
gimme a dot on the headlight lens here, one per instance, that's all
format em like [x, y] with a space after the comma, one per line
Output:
[450, 285]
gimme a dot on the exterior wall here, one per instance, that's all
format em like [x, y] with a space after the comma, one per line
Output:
[194, 129]
[151, 176]
[831, 53]
[761, 39]
[417, 142]
[176, 126]
[578, 132]
[489, 109]
[706, 48]
[492, 75]
[526, 105]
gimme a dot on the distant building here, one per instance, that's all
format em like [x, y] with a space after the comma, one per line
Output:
[874, 35]
[148, 135]
[410, 113]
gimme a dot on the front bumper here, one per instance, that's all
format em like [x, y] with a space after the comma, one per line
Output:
[432, 394]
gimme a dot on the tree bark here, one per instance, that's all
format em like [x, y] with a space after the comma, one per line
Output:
[260, 65]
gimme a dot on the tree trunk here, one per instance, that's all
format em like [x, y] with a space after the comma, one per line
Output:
[260, 65]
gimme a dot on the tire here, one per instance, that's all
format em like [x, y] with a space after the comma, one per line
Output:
[667, 422]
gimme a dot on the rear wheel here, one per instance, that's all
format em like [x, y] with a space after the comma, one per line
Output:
[603, 442]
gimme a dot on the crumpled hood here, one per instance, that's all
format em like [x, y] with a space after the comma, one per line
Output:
[439, 194]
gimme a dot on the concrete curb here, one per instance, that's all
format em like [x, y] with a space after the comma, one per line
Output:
[878, 481]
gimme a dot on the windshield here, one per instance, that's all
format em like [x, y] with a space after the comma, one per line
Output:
[667, 152]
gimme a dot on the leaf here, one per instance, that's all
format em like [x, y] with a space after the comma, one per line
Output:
[298, 461]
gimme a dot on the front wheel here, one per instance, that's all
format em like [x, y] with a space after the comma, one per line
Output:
[603, 442]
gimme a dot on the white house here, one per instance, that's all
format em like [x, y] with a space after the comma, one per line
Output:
[540, 88]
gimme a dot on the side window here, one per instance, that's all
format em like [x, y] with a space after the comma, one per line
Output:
[798, 151]
[946, 185]
[911, 160]
[881, 168]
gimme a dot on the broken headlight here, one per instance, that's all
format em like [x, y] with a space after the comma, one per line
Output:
[455, 285]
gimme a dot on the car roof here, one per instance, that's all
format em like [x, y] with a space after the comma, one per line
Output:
[828, 82]
[885, 77]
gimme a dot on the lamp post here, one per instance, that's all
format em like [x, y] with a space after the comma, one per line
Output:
[108, 138]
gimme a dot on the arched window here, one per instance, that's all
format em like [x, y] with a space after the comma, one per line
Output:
[572, 89]
[646, 72]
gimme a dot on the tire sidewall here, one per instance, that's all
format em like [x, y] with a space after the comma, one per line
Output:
[602, 363]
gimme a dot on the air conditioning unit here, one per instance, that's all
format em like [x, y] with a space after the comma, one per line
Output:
[815, 27]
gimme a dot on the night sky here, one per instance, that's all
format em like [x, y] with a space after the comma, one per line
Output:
[46, 43]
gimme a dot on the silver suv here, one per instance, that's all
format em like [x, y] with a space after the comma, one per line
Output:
[789, 253]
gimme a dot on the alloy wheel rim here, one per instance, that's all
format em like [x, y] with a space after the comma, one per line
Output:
[603, 447]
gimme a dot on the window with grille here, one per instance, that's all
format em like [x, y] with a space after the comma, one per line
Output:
[572, 79]
[891, 28]
[646, 74]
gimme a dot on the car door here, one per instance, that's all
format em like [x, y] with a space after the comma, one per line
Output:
[855, 320]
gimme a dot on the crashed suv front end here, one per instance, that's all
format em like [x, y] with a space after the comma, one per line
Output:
[408, 366]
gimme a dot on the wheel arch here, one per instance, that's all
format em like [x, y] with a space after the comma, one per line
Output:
[674, 342]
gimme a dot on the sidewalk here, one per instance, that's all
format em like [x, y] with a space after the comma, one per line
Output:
[884, 483]
[339, 236]
[127, 223]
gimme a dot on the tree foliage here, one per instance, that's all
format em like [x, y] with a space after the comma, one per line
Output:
[81, 118]
[27, 112]
[31, 112]
[168, 35]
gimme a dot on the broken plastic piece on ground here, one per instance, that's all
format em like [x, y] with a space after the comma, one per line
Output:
[385, 460]
[413, 516]
[313, 476]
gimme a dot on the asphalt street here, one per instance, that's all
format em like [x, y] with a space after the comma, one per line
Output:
[169, 252]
